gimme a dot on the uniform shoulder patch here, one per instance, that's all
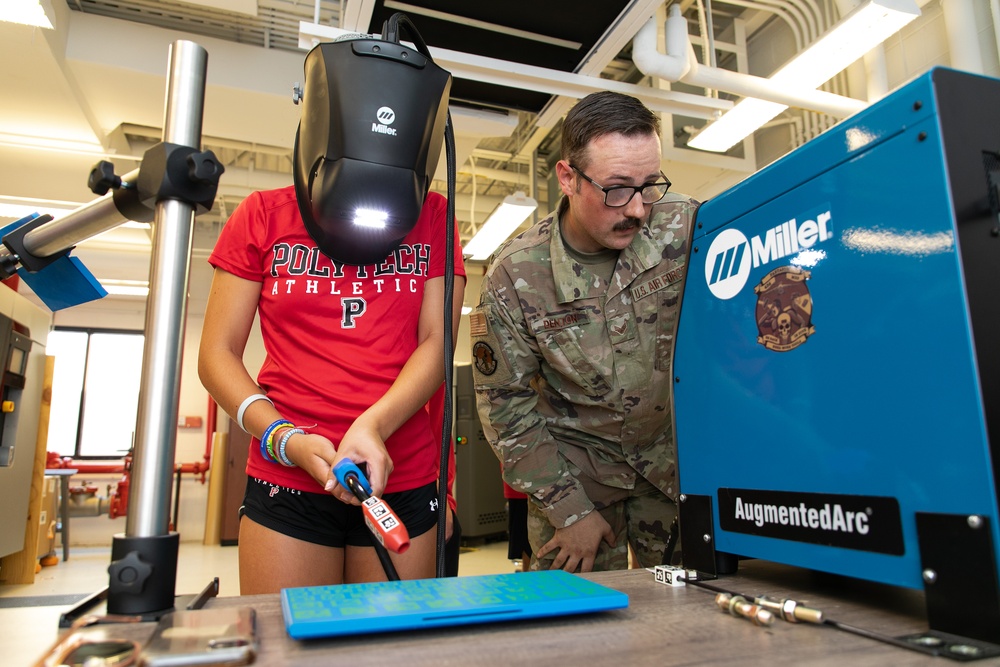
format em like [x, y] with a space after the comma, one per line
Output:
[489, 357]
[484, 358]
[477, 324]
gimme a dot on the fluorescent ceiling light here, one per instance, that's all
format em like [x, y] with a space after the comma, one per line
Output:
[37, 13]
[505, 218]
[51, 144]
[864, 28]
[19, 207]
[735, 125]
[125, 287]
[75, 146]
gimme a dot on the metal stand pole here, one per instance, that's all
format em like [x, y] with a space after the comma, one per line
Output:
[143, 571]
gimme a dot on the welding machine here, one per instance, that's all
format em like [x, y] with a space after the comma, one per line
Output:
[837, 368]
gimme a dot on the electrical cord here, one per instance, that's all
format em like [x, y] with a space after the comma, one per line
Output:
[383, 554]
[391, 31]
[449, 350]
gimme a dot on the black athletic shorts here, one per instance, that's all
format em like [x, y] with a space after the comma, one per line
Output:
[322, 519]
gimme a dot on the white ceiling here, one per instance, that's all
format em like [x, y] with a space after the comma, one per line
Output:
[99, 77]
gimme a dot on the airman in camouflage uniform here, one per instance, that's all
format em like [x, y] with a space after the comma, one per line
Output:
[573, 379]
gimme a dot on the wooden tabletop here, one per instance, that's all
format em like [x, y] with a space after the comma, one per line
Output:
[661, 626]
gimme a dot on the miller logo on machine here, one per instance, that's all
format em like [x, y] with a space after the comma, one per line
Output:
[732, 255]
[784, 309]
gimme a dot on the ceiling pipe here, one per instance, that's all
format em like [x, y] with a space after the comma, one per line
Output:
[807, 28]
[679, 64]
[790, 21]
[487, 173]
[707, 30]
[810, 15]
[676, 64]
[554, 82]
[995, 13]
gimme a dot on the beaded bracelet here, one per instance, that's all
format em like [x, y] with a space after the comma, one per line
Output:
[282, 458]
[266, 445]
[252, 398]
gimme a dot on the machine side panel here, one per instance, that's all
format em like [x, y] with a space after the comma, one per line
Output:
[23, 374]
[971, 137]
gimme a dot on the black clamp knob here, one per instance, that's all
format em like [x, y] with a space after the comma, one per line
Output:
[204, 167]
[129, 574]
[102, 178]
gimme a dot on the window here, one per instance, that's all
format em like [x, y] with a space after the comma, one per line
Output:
[95, 392]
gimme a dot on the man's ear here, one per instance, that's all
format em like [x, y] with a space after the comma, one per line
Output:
[567, 177]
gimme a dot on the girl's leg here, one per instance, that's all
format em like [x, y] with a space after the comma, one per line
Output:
[270, 561]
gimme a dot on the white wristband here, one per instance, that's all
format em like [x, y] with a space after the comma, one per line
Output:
[252, 398]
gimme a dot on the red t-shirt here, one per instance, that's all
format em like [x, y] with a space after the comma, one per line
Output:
[335, 335]
[510, 494]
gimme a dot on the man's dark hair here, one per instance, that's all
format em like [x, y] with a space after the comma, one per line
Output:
[601, 113]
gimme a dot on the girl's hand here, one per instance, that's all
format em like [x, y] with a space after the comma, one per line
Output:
[312, 452]
[366, 449]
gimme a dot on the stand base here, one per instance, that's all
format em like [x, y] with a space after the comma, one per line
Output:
[96, 605]
[945, 645]
[143, 573]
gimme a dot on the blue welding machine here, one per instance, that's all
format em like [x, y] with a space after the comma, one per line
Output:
[837, 366]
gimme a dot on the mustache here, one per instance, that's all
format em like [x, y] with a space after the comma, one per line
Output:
[626, 224]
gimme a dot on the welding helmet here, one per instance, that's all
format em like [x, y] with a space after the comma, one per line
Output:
[373, 117]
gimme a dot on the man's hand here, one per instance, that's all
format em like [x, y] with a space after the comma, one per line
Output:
[578, 543]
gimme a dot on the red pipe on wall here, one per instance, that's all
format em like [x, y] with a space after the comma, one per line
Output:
[210, 420]
[119, 500]
[54, 460]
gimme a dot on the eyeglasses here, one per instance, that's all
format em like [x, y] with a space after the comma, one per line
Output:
[620, 195]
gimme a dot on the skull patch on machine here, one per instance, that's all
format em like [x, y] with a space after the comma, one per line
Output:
[784, 309]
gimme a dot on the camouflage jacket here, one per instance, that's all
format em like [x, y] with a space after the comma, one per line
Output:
[572, 370]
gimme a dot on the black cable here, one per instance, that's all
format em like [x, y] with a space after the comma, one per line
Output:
[391, 31]
[716, 589]
[449, 350]
[354, 486]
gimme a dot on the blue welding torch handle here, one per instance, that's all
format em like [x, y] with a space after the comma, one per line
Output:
[347, 471]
